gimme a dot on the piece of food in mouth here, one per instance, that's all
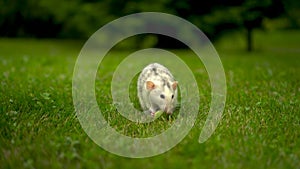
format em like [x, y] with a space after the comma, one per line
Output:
[158, 114]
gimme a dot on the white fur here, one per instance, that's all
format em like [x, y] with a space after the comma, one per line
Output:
[163, 81]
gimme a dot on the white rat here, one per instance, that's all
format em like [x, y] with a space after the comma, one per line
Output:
[157, 89]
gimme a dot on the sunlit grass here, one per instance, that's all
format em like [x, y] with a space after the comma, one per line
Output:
[259, 128]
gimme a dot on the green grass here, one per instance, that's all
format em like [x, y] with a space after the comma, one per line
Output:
[260, 127]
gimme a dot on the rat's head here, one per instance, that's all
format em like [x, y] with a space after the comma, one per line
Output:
[162, 97]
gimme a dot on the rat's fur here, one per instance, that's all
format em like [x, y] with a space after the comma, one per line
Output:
[156, 80]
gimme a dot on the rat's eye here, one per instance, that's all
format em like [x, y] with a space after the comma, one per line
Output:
[172, 96]
[162, 96]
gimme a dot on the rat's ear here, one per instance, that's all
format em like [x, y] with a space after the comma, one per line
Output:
[174, 85]
[150, 85]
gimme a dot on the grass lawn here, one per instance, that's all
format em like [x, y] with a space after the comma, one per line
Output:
[260, 127]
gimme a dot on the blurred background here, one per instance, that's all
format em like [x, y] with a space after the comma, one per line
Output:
[78, 19]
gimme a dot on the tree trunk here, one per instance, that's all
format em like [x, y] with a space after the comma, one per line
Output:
[249, 39]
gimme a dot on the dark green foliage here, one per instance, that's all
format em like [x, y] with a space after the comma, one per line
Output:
[81, 18]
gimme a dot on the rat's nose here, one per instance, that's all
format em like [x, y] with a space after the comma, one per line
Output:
[168, 110]
[165, 110]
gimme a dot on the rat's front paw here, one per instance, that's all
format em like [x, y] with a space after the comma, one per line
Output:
[152, 114]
